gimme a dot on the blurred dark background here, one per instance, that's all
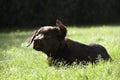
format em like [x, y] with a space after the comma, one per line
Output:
[45, 12]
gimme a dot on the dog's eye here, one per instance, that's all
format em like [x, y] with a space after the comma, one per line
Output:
[48, 36]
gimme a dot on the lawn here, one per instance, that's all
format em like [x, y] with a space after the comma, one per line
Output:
[17, 62]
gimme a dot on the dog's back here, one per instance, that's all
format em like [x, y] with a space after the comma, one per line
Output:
[75, 51]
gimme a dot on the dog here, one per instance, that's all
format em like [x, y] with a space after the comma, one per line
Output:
[53, 42]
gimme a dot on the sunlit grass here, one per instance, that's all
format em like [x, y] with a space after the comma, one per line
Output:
[17, 62]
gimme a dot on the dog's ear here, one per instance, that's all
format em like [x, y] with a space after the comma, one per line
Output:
[63, 30]
[30, 39]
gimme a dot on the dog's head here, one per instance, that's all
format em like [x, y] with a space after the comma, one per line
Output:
[48, 38]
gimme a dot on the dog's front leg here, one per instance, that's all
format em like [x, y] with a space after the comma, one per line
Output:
[50, 61]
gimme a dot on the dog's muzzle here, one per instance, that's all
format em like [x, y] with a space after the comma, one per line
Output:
[36, 44]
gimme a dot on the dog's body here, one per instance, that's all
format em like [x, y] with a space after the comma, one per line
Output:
[52, 41]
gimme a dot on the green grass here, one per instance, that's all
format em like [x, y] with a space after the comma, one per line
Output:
[17, 62]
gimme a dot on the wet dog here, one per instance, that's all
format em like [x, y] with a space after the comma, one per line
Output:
[53, 42]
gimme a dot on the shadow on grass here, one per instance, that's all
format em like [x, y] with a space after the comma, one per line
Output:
[13, 39]
[29, 28]
[17, 29]
[15, 36]
[16, 40]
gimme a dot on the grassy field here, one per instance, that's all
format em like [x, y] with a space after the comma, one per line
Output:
[17, 62]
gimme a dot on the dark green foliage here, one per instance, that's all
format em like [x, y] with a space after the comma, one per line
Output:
[45, 12]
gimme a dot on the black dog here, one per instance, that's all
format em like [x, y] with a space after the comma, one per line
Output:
[51, 40]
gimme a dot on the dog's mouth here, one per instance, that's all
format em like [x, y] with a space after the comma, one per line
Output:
[37, 46]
